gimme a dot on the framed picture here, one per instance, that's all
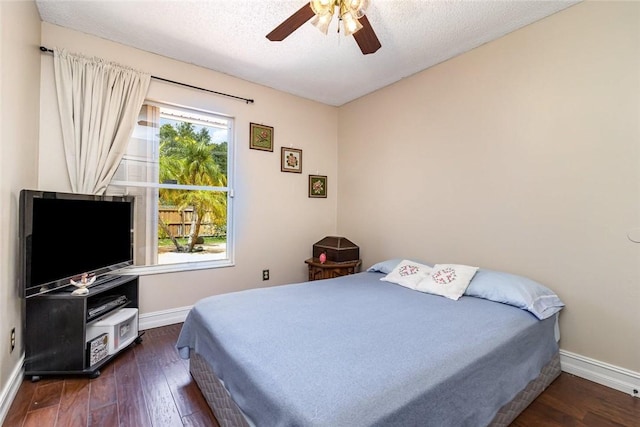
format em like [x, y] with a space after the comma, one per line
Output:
[318, 186]
[291, 160]
[260, 137]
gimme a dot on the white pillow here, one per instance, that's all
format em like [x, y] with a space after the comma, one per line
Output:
[447, 280]
[407, 273]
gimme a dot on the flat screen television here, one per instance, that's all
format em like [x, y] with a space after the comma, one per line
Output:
[63, 235]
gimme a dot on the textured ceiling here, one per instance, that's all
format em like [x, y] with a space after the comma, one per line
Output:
[229, 36]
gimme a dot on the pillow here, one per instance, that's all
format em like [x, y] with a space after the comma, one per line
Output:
[387, 266]
[384, 266]
[515, 290]
[407, 273]
[447, 280]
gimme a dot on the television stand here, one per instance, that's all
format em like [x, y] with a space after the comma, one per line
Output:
[57, 325]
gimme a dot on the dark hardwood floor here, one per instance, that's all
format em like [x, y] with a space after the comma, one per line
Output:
[149, 385]
[146, 385]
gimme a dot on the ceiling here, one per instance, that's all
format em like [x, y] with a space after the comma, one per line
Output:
[229, 36]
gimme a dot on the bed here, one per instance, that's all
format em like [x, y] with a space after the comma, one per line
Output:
[361, 351]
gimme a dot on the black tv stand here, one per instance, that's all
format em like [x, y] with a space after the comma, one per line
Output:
[56, 327]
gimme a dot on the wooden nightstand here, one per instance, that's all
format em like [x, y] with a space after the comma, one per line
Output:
[331, 269]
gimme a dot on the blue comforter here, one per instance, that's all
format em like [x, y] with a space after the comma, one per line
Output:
[356, 351]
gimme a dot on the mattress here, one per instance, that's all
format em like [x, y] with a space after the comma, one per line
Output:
[357, 351]
[228, 414]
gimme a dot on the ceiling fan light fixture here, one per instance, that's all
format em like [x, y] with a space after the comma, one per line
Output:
[349, 12]
[357, 7]
[322, 22]
[350, 23]
[321, 7]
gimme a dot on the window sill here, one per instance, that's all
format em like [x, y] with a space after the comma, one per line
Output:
[145, 270]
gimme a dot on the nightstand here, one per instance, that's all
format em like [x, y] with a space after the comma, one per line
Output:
[330, 269]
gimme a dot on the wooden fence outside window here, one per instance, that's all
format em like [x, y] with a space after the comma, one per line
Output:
[179, 222]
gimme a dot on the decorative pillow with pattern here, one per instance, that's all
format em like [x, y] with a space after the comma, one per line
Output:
[447, 280]
[408, 274]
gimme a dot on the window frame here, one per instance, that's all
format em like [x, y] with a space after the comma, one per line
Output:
[229, 261]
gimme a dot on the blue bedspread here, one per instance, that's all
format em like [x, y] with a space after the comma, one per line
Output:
[356, 351]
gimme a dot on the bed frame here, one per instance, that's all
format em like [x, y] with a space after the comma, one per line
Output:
[229, 415]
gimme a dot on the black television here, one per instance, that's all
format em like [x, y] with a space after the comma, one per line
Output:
[63, 235]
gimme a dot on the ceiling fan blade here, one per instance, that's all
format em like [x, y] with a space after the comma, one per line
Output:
[291, 24]
[366, 37]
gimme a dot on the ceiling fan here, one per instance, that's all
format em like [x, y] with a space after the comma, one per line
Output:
[351, 16]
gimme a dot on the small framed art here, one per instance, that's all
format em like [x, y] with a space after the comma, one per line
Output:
[260, 137]
[291, 160]
[317, 186]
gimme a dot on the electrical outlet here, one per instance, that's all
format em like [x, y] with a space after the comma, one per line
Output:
[265, 274]
[13, 339]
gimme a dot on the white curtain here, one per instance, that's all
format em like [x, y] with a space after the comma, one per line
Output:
[99, 102]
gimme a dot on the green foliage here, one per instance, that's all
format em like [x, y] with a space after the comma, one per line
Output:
[220, 156]
[189, 158]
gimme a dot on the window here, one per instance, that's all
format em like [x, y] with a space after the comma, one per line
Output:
[177, 164]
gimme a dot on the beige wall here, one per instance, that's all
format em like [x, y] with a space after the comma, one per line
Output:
[19, 110]
[276, 223]
[521, 155]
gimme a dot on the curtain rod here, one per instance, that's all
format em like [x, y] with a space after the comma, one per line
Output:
[247, 100]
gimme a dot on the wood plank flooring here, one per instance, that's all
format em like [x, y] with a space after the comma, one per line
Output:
[146, 385]
[149, 385]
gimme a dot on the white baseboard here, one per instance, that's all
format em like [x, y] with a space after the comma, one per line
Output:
[163, 318]
[602, 373]
[10, 390]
